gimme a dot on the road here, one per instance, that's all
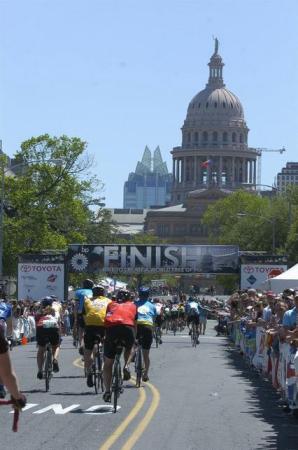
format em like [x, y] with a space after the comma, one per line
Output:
[197, 398]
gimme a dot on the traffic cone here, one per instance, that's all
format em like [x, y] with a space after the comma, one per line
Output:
[24, 340]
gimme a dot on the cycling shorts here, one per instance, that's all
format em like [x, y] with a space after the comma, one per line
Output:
[47, 335]
[145, 336]
[193, 319]
[158, 321]
[3, 341]
[92, 334]
[118, 334]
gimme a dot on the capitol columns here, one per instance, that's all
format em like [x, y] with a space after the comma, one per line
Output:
[220, 172]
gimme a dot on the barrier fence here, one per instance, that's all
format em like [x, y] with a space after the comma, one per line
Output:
[277, 361]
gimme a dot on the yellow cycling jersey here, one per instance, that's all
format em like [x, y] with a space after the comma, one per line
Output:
[95, 311]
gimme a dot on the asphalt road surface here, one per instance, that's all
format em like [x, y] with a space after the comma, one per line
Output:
[197, 398]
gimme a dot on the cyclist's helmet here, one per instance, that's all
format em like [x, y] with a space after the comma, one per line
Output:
[144, 292]
[88, 284]
[123, 295]
[98, 291]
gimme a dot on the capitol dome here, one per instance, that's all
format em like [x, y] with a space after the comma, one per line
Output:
[214, 109]
[215, 104]
[214, 150]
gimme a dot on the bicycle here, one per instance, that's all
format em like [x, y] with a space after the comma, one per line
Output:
[48, 366]
[117, 380]
[97, 372]
[16, 414]
[157, 335]
[138, 364]
[194, 334]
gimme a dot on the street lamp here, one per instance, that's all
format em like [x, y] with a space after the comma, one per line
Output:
[3, 172]
[271, 221]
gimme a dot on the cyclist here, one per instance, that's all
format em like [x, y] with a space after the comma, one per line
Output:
[174, 316]
[47, 331]
[145, 322]
[193, 314]
[5, 330]
[159, 316]
[7, 373]
[120, 322]
[94, 312]
[167, 316]
[181, 315]
[79, 325]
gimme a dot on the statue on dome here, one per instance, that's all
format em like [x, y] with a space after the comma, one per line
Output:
[216, 46]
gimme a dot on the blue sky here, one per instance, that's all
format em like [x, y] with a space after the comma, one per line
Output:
[120, 74]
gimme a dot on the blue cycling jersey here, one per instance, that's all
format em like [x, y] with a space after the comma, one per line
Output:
[80, 295]
[192, 308]
[146, 312]
[5, 310]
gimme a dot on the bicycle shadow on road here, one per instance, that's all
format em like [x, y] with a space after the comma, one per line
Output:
[264, 405]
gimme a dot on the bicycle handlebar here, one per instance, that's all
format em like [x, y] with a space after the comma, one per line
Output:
[16, 414]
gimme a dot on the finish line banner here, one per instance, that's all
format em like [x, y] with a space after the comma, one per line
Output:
[131, 259]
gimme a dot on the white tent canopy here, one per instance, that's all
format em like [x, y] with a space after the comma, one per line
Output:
[287, 279]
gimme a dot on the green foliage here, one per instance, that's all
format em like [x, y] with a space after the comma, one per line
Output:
[261, 218]
[51, 197]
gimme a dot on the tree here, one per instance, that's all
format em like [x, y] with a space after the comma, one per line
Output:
[50, 196]
[261, 218]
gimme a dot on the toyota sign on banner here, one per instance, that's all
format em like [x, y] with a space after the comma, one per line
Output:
[40, 277]
[254, 275]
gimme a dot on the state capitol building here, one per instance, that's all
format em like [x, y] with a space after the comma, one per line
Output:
[213, 161]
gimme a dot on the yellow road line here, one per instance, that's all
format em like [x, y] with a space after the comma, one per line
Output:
[122, 427]
[78, 363]
[145, 421]
[124, 424]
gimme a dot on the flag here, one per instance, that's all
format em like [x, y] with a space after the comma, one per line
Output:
[206, 164]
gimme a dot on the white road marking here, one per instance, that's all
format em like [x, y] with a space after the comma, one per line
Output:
[57, 408]
[28, 406]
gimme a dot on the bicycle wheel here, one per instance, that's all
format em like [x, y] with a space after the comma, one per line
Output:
[116, 383]
[48, 368]
[99, 359]
[194, 337]
[138, 366]
[95, 376]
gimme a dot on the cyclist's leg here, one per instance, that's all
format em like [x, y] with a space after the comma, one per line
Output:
[54, 339]
[128, 337]
[42, 340]
[109, 356]
[89, 340]
[146, 342]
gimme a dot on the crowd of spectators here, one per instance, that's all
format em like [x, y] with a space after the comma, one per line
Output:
[264, 326]
[23, 320]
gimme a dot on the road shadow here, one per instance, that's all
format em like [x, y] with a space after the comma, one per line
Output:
[73, 394]
[68, 377]
[264, 405]
[34, 391]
